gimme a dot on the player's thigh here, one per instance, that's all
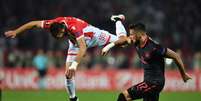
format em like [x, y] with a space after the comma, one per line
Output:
[104, 37]
[71, 55]
[134, 92]
[143, 90]
[114, 38]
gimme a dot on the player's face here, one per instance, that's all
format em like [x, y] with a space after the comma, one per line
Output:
[135, 36]
[132, 35]
[60, 34]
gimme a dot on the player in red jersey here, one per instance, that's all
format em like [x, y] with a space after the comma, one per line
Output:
[81, 36]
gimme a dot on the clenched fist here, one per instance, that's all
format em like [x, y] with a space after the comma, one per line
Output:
[11, 34]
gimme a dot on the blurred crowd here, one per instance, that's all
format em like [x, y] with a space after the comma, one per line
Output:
[126, 58]
[174, 23]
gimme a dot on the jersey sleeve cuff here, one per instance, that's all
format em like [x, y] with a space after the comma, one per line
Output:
[80, 37]
[42, 24]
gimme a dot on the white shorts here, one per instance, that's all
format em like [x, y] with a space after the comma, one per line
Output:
[100, 38]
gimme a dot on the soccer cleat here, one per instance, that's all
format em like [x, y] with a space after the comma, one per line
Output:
[74, 99]
[120, 17]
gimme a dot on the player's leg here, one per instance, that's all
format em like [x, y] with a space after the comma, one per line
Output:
[70, 79]
[152, 92]
[120, 29]
[120, 33]
[70, 83]
[149, 91]
[131, 94]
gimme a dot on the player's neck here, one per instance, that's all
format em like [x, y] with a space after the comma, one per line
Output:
[143, 40]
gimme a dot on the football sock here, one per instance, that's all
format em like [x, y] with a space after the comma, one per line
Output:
[70, 87]
[120, 29]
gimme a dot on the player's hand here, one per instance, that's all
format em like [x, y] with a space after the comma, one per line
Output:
[106, 49]
[11, 34]
[104, 52]
[70, 73]
[186, 77]
[71, 70]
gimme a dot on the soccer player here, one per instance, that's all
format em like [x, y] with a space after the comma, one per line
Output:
[152, 57]
[81, 36]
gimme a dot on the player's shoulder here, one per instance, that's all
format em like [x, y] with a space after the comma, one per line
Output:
[71, 18]
[154, 42]
[64, 18]
[57, 19]
[60, 18]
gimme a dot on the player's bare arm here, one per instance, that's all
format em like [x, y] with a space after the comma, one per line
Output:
[82, 50]
[27, 26]
[121, 42]
[178, 61]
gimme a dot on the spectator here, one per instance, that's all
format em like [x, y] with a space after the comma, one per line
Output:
[40, 61]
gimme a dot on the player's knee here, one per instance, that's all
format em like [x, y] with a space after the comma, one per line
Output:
[121, 97]
[68, 76]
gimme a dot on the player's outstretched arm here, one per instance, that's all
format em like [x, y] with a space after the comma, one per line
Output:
[178, 61]
[82, 50]
[27, 26]
[120, 42]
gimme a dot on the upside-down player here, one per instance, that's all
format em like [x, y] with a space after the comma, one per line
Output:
[152, 57]
[81, 36]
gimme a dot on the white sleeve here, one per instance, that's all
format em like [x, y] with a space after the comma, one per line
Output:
[42, 24]
[120, 29]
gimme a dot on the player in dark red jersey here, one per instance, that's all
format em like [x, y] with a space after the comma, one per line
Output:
[152, 57]
[81, 36]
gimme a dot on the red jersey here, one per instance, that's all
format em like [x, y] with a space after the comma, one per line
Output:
[74, 25]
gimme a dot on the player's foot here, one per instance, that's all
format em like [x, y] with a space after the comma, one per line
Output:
[74, 99]
[120, 17]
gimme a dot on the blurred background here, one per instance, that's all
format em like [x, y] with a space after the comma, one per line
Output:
[174, 23]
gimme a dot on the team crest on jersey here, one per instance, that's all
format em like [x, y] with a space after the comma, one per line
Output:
[147, 55]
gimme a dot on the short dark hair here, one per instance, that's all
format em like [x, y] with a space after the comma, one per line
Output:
[138, 27]
[55, 28]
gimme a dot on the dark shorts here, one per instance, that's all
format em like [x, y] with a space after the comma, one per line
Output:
[42, 73]
[146, 90]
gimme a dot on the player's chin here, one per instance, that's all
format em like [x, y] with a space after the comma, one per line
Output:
[59, 38]
[132, 41]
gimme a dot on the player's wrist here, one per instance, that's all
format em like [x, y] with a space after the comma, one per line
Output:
[16, 31]
[73, 65]
[108, 47]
